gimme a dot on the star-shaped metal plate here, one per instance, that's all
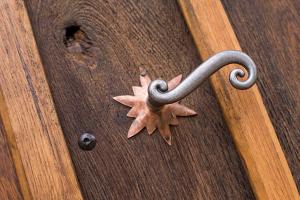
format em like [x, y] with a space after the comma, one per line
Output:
[146, 117]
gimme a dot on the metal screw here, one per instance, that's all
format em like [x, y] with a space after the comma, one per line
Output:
[143, 72]
[87, 141]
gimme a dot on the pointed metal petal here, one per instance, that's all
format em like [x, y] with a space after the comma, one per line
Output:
[181, 110]
[137, 125]
[126, 100]
[133, 112]
[174, 82]
[145, 80]
[166, 133]
[138, 91]
[151, 126]
[174, 121]
[151, 129]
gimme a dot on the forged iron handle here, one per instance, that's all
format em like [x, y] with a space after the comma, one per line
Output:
[158, 94]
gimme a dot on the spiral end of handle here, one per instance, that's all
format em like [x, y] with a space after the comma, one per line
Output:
[246, 84]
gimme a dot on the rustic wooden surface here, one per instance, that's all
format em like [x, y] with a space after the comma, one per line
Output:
[38, 147]
[269, 30]
[92, 51]
[15, 156]
[9, 183]
[244, 111]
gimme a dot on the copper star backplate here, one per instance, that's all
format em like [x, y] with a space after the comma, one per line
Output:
[147, 117]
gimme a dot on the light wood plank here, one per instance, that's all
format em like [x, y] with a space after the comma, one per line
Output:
[29, 115]
[9, 183]
[244, 111]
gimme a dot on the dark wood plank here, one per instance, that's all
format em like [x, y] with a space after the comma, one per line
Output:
[269, 31]
[97, 57]
[9, 183]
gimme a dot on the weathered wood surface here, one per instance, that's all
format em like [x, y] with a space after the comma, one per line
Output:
[269, 30]
[9, 183]
[244, 111]
[98, 57]
[10, 141]
[38, 147]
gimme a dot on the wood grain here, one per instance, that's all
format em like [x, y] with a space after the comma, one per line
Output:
[29, 114]
[9, 183]
[272, 37]
[244, 111]
[92, 51]
[14, 151]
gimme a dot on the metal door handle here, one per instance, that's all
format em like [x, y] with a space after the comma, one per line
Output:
[158, 89]
[155, 104]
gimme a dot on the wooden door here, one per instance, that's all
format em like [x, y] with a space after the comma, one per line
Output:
[92, 50]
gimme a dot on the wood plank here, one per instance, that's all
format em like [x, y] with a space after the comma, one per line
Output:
[271, 36]
[15, 154]
[29, 114]
[9, 183]
[244, 111]
[93, 52]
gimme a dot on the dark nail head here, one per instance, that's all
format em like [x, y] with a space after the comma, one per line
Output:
[87, 141]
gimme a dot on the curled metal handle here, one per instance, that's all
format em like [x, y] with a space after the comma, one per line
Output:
[158, 94]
